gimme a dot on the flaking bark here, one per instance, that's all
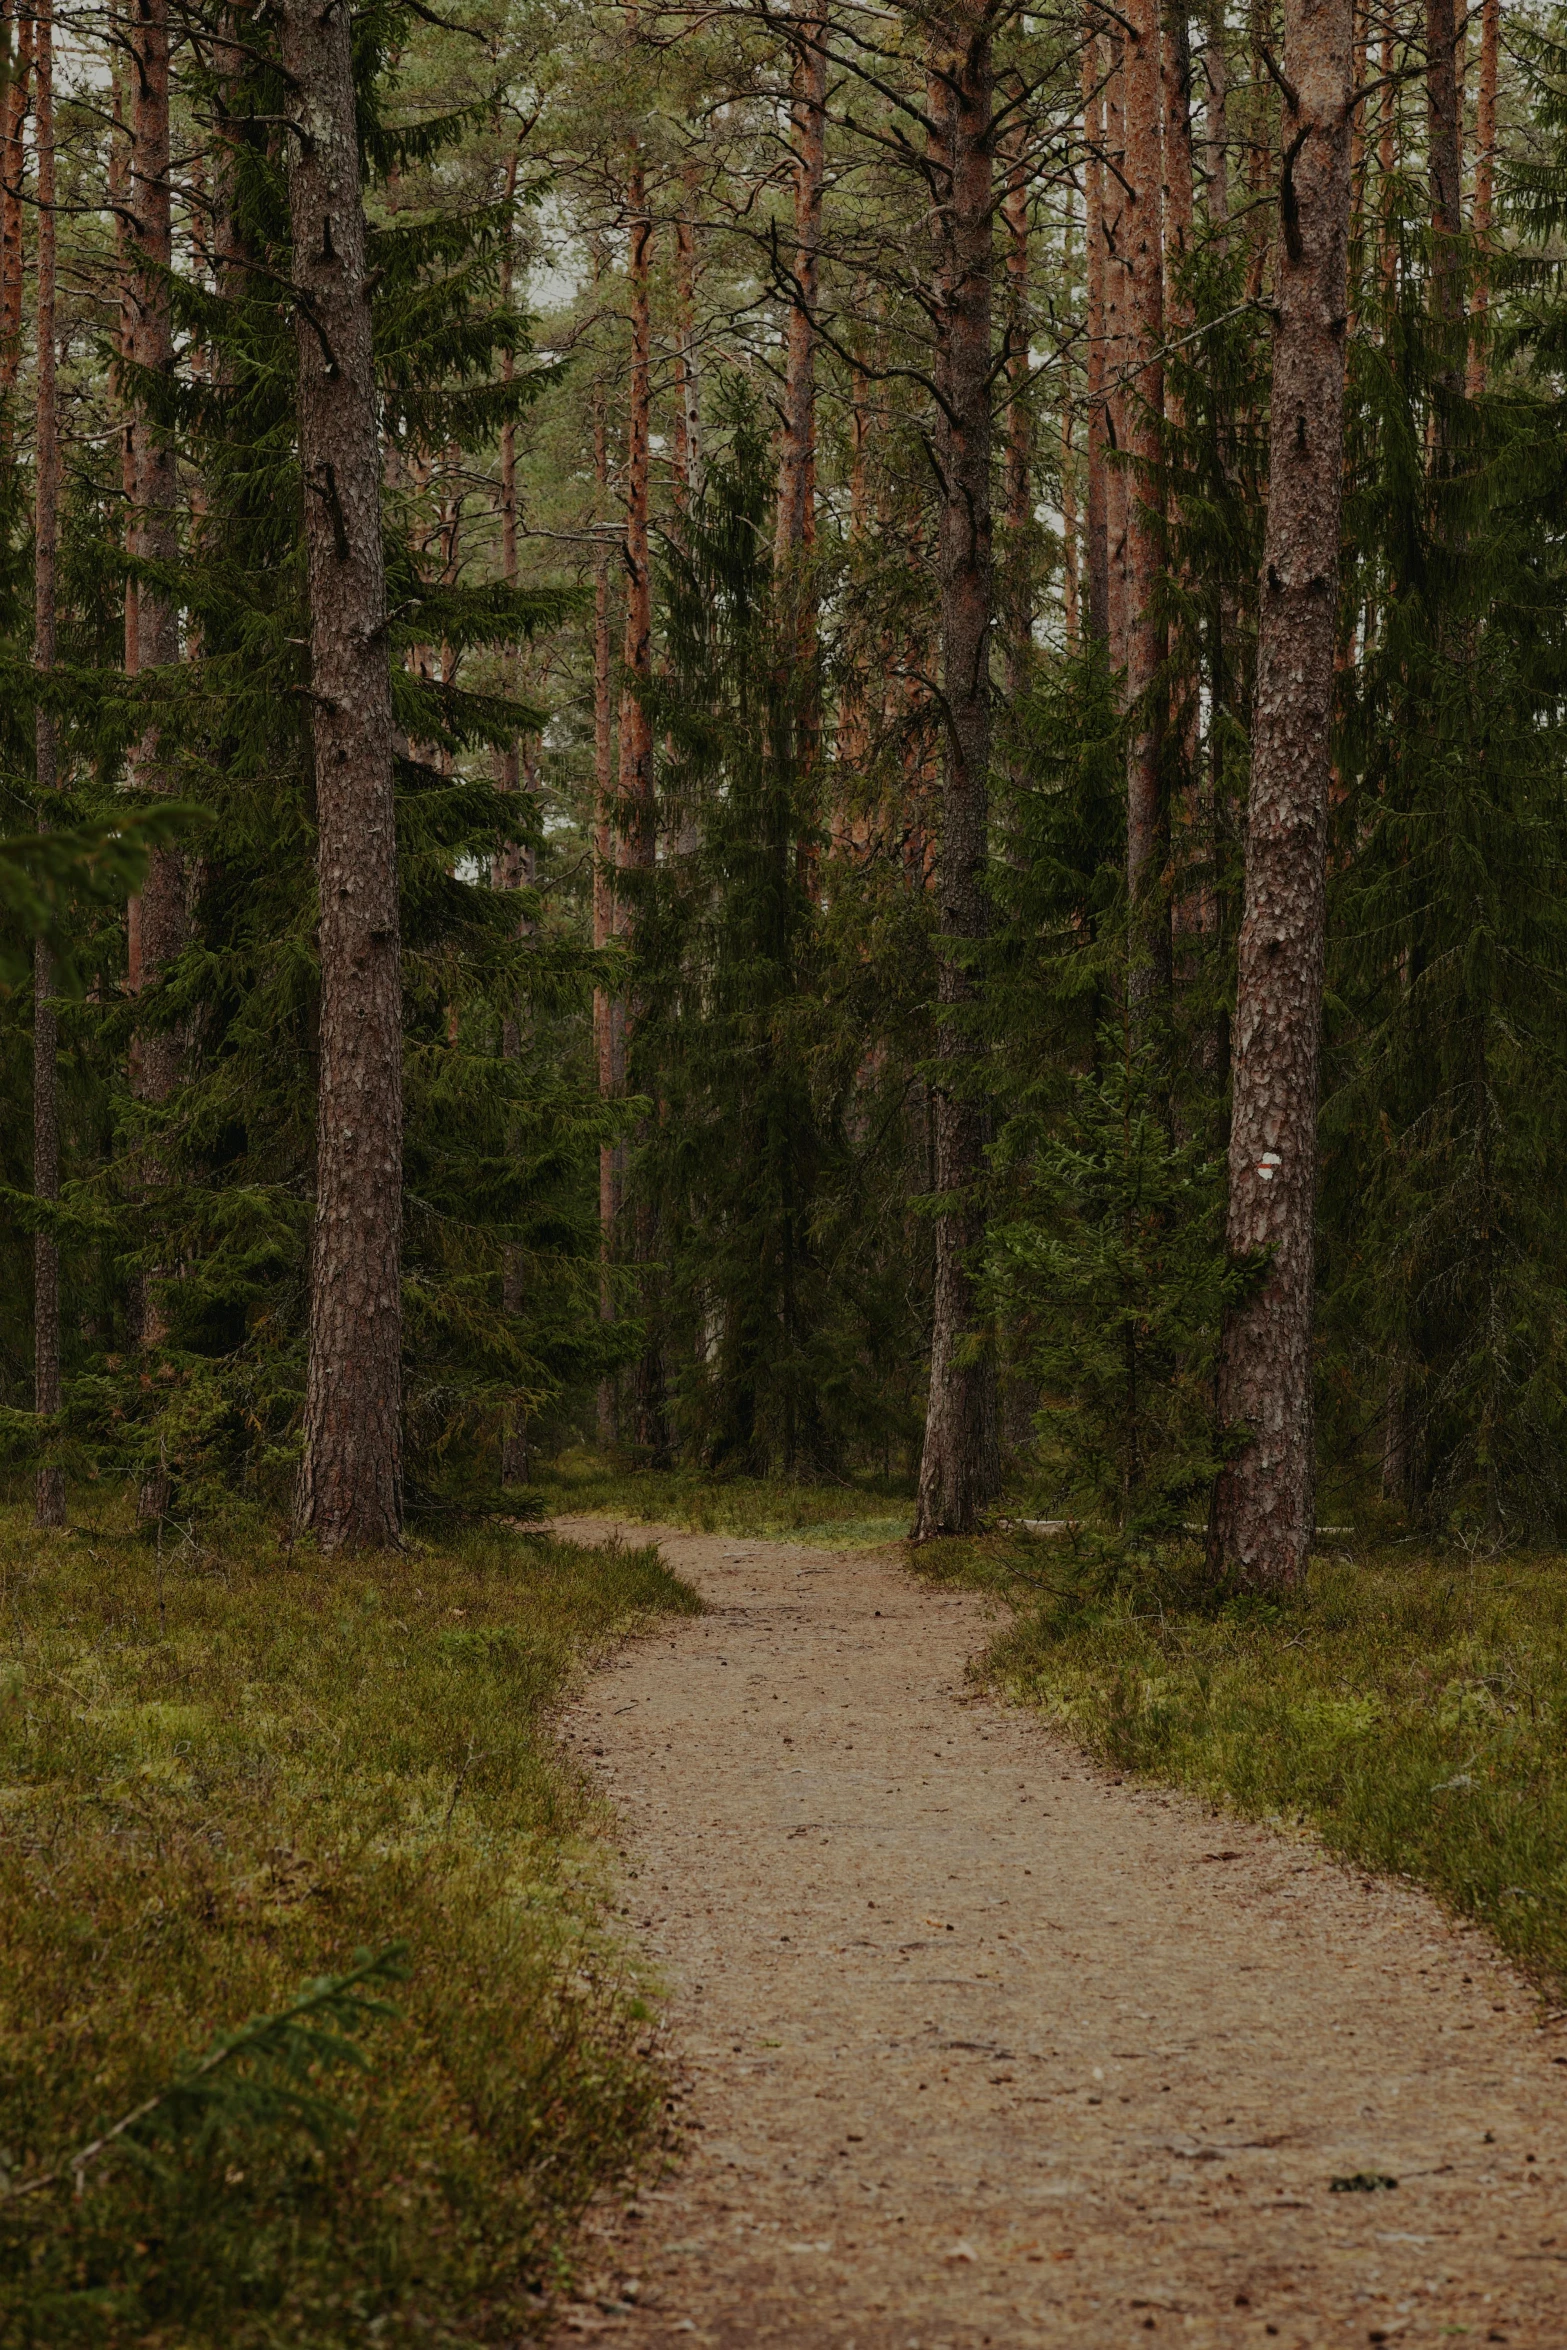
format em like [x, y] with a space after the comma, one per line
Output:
[1262, 1517]
[350, 1485]
[960, 1462]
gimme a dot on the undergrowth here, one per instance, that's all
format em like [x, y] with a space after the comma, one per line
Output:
[1411, 1708]
[859, 1512]
[232, 1778]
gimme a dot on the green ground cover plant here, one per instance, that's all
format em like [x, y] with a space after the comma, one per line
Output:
[852, 1513]
[240, 1783]
[1410, 1706]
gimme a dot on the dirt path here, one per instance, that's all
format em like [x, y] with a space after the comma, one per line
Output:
[983, 2046]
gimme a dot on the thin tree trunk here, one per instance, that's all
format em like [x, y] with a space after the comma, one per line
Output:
[960, 1465]
[1097, 551]
[1484, 189]
[350, 1484]
[155, 1053]
[796, 514]
[1262, 1517]
[49, 1508]
[1017, 462]
[1147, 822]
[795, 521]
[11, 242]
[608, 1013]
[513, 863]
[1216, 62]
[1387, 153]
[1444, 171]
[1175, 86]
[120, 174]
[1116, 348]
[688, 381]
[638, 835]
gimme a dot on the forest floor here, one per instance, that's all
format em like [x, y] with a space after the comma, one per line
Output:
[979, 2042]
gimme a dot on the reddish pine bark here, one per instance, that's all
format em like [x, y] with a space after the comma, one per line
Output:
[608, 1019]
[1147, 826]
[1262, 1516]
[1116, 231]
[49, 1497]
[795, 522]
[1017, 462]
[1484, 187]
[1216, 67]
[960, 1463]
[1096, 542]
[1444, 172]
[350, 1484]
[12, 118]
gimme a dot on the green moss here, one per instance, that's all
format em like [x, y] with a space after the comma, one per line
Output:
[861, 1512]
[225, 1772]
[1411, 1709]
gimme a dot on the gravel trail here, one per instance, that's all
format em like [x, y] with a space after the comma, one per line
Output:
[981, 2046]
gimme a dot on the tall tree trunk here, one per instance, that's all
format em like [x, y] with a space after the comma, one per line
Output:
[1175, 91]
[1216, 64]
[609, 1033]
[1116, 350]
[1096, 543]
[688, 381]
[350, 1484]
[1484, 188]
[795, 521]
[960, 1465]
[1387, 153]
[50, 1484]
[1262, 1517]
[638, 834]
[1017, 463]
[1147, 822]
[1444, 171]
[513, 865]
[13, 154]
[159, 932]
[120, 177]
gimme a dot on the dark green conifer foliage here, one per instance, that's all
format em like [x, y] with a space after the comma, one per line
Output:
[739, 1148]
[497, 1149]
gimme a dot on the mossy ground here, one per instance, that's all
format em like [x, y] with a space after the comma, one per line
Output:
[1410, 1706]
[853, 1513]
[226, 1768]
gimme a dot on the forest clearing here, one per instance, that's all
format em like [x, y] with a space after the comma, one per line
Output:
[783, 982]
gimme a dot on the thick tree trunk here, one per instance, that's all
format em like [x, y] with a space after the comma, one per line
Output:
[1147, 821]
[1096, 543]
[960, 1465]
[49, 1503]
[1262, 1517]
[1484, 188]
[13, 115]
[158, 933]
[350, 1485]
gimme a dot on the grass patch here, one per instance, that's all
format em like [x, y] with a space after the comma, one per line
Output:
[223, 1774]
[860, 1513]
[1412, 1710]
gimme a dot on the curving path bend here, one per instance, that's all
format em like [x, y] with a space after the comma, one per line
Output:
[980, 2045]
